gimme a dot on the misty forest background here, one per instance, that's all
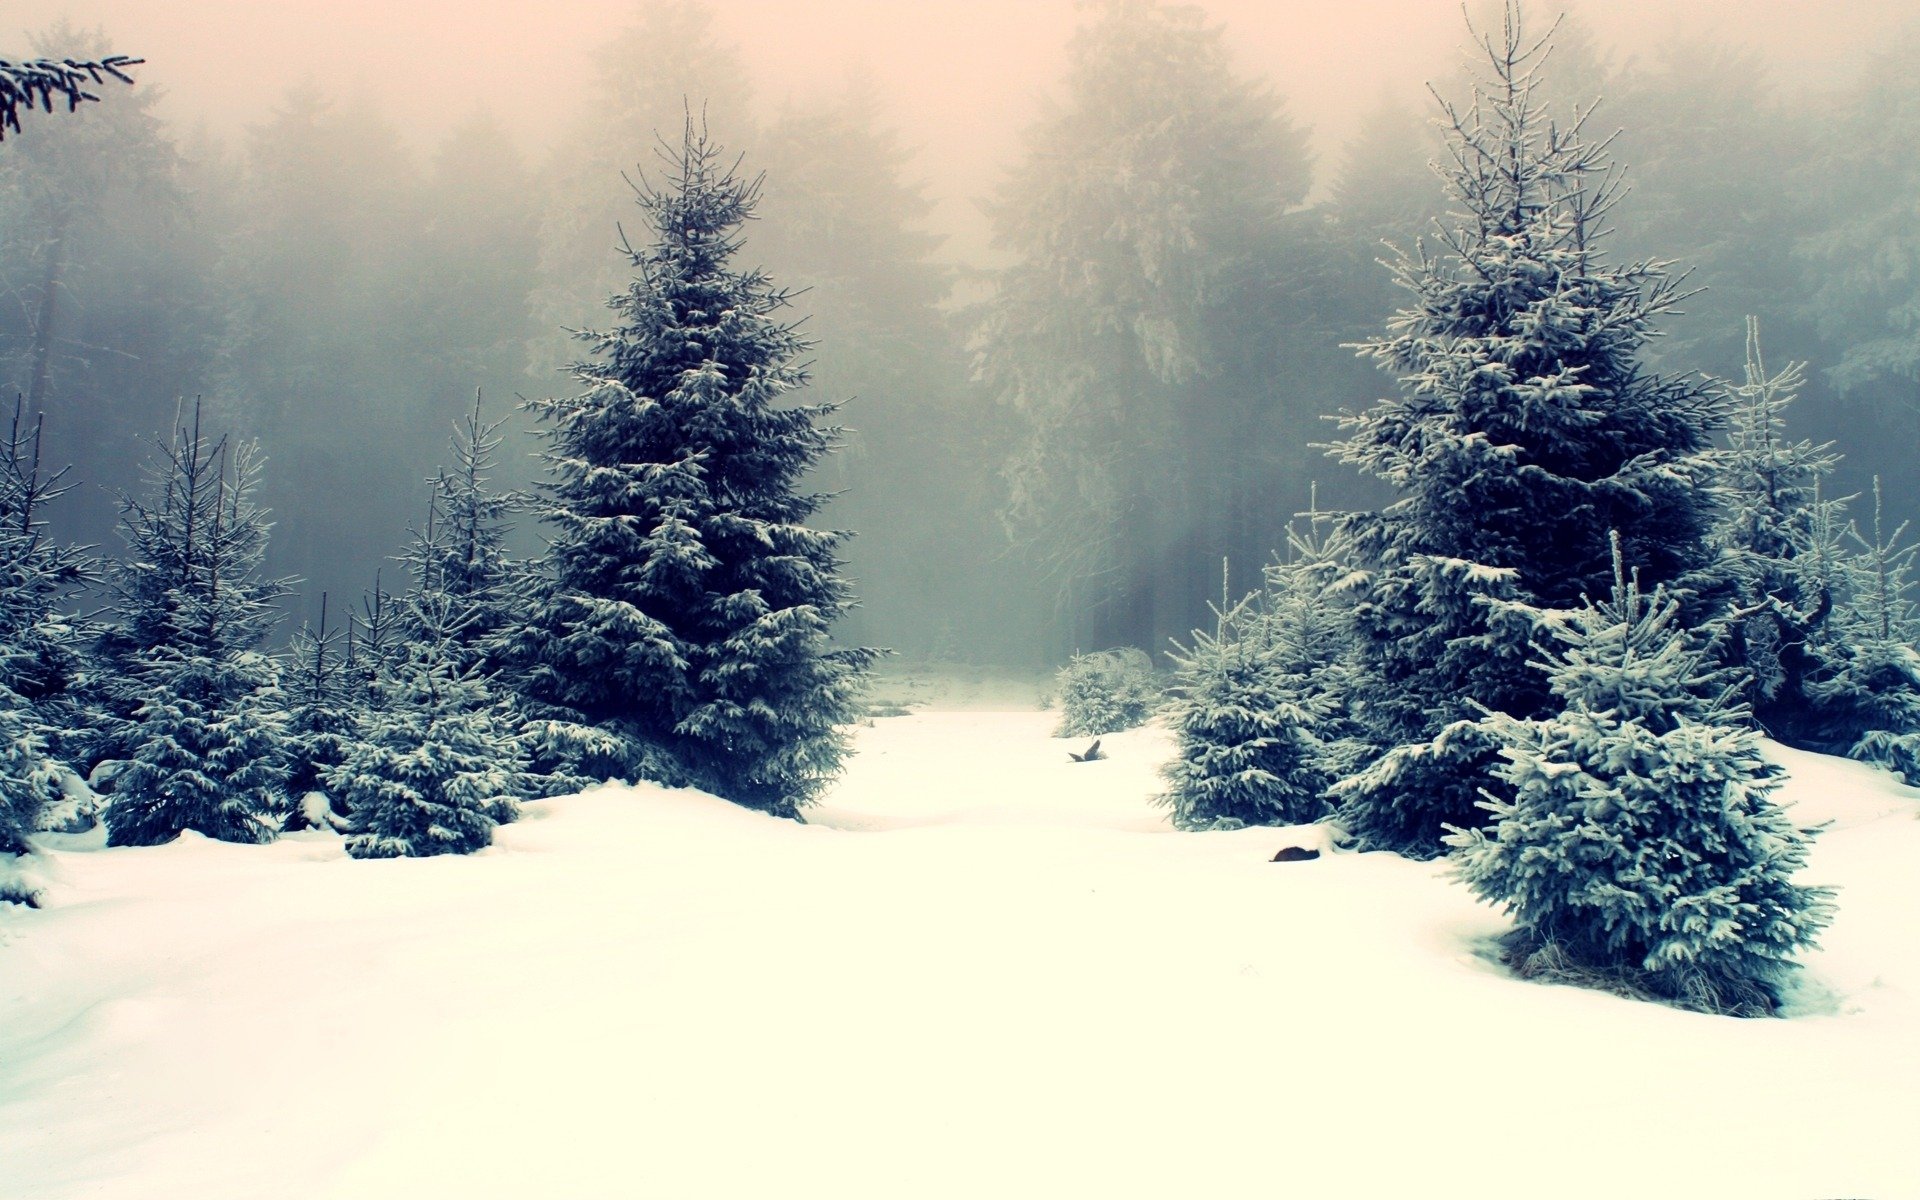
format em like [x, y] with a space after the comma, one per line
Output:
[1050, 450]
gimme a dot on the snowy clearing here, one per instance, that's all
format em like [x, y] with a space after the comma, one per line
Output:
[980, 970]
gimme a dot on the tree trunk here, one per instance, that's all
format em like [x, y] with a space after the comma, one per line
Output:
[49, 308]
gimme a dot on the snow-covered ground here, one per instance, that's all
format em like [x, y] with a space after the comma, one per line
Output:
[979, 971]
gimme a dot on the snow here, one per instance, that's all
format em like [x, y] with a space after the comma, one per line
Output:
[979, 970]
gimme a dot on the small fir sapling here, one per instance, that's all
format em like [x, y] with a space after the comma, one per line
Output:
[1244, 726]
[207, 730]
[374, 644]
[441, 764]
[1106, 691]
[321, 722]
[467, 556]
[212, 752]
[1260, 708]
[1635, 839]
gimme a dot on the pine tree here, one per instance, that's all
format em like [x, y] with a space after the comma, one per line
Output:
[1246, 751]
[1872, 685]
[1106, 691]
[1779, 535]
[689, 606]
[205, 730]
[321, 720]
[437, 768]
[1635, 840]
[1132, 338]
[1525, 431]
[39, 654]
[463, 552]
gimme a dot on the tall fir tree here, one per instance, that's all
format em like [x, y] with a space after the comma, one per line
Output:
[845, 224]
[639, 80]
[1634, 838]
[199, 708]
[1525, 431]
[689, 606]
[1135, 335]
[106, 276]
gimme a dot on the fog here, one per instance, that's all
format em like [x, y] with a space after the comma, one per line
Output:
[337, 221]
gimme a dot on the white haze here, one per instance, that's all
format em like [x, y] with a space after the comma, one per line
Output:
[961, 78]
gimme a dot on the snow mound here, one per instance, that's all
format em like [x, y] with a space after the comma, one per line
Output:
[979, 969]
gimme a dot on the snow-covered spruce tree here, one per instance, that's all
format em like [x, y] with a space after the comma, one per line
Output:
[1260, 709]
[1526, 429]
[1244, 728]
[441, 764]
[39, 654]
[205, 731]
[321, 721]
[466, 554]
[689, 606]
[1779, 535]
[1872, 686]
[1106, 691]
[1635, 840]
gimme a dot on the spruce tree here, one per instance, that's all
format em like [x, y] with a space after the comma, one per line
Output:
[1247, 751]
[39, 656]
[1872, 684]
[321, 721]
[202, 707]
[1106, 691]
[464, 553]
[1779, 535]
[1525, 430]
[688, 612]
[436, 768]
[1634, 839]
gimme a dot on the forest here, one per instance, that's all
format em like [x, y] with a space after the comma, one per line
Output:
[534, 666]
[1477, 451]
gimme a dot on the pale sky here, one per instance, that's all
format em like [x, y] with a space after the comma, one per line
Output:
[961, 78]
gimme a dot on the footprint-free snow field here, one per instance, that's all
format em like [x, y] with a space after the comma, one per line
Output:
[979, 970]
